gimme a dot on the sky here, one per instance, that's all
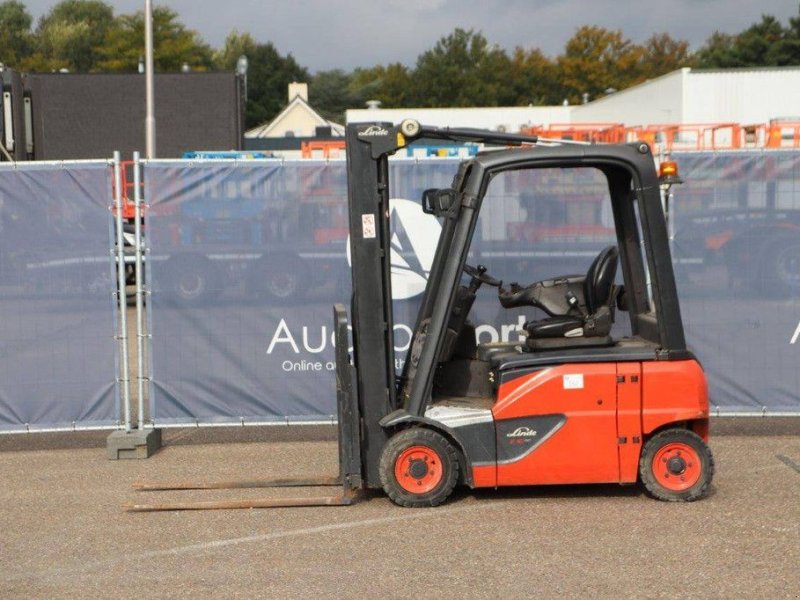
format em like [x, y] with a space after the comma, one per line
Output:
[344, 34]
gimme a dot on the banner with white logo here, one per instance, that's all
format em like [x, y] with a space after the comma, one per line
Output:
[246, 259]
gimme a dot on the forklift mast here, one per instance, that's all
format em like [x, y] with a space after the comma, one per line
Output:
[368, 147]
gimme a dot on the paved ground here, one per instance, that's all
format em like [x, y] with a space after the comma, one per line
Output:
[62, 533]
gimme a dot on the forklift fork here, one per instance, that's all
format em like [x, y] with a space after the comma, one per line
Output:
[349, 477]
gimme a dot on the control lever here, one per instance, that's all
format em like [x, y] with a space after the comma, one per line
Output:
[479, 275]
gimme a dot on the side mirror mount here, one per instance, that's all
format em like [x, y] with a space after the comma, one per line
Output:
[437, 201]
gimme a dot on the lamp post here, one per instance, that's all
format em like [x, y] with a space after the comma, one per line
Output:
[150, 118]
[241, 69]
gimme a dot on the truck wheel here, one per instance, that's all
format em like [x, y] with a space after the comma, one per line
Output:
[283, 284]
[283, 279]
[418, 468]
[781, 262]
[676, 466]
[193, 281]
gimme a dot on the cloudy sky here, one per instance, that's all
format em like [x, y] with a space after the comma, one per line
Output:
[328, 34]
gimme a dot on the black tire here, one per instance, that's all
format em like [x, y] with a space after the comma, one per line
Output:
[193, 282]
[780, 261]
[440, 457]
[669, 458]
[284, 279]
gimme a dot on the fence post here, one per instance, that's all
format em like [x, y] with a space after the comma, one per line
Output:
[130, 443]
[140, 289]
[121, 296]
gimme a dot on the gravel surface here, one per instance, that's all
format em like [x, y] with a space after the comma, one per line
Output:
[64, 534]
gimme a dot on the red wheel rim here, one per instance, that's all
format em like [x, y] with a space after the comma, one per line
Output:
[418, 469]
[677, 466]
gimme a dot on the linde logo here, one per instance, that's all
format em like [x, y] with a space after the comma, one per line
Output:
[413, 245]
[522, 432]
[374, 131]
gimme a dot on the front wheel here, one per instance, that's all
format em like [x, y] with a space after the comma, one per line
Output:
[418, 468]
[676, 466]
[193, 280]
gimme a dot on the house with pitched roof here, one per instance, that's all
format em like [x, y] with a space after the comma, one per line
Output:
[296, 124]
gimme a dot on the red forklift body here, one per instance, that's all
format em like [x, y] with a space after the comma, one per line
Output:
[585, 422]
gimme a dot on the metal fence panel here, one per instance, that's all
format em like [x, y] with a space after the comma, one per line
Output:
[246, 259]
[57, 348]
[736, 245]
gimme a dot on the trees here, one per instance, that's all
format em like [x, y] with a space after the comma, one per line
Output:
[763, 44]
[462, 69]
[596, 60]
[333, 93]
[787, 50]
[16, 38]
[173, 44]
[663, 54]
[391, 85]
[533, 79]
[70, 36]
[268, 77]
[85, 36]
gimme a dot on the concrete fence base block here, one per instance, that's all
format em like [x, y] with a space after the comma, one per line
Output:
[134, 444]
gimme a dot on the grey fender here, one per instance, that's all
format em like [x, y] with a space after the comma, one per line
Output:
[400, 418]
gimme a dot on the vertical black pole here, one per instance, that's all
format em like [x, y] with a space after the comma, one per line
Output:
[373, 340]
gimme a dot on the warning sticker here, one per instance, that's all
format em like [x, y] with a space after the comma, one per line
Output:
[368, 226]
[573, 381]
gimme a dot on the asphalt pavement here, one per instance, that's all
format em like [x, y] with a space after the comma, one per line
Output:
[64, 534]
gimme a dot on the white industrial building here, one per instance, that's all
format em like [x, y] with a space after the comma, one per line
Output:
[686, 96]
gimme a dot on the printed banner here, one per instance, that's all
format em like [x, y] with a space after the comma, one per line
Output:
[246, 259]
[57, 346]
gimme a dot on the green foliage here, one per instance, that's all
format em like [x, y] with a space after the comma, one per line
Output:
[70, 35]
[16, 38]
[391, 85]
[663, 54]
[331, 91]
[173, 44]
[462, 69]
[268, 76]
[763, 44]
[533, 79]
[596, 60]
[718, 51]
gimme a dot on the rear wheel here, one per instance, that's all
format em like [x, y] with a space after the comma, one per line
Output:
[418, 468]
[780, 262]
[676, 466]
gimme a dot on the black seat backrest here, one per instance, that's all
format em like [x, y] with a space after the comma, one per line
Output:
[600, 279]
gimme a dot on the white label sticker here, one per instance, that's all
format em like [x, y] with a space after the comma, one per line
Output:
[573, 381]
[368, 226]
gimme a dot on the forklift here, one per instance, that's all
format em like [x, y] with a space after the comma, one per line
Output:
[569, 404]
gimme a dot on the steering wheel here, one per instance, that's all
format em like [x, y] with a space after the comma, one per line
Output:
[479, 273]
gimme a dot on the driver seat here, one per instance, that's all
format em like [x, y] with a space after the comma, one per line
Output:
[589, 324]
